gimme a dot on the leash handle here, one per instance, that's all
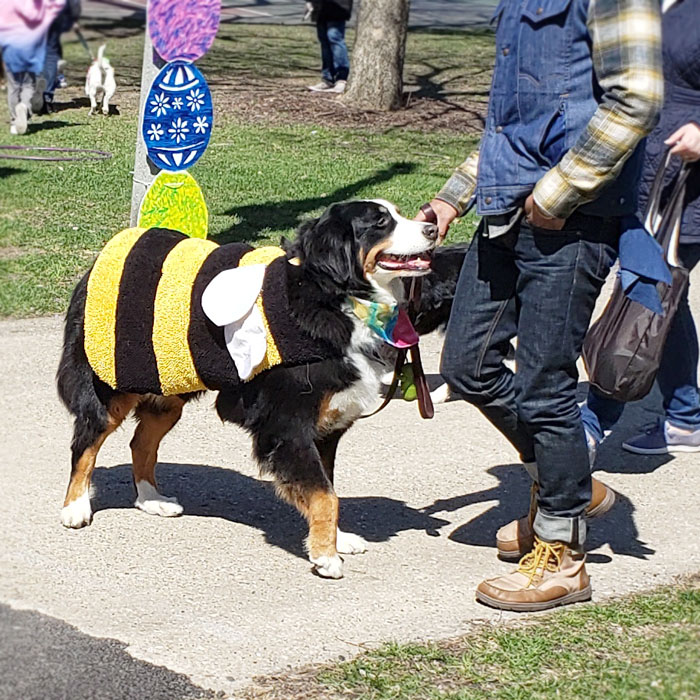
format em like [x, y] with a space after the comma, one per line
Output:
[425, 402]
[391, 391]
[429, 213]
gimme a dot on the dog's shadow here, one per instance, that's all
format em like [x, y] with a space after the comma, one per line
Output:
[617, 529]
[215, 492]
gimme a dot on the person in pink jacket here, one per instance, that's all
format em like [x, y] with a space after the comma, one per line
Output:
[24, 26]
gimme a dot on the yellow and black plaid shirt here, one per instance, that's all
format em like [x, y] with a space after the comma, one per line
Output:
[626, 51]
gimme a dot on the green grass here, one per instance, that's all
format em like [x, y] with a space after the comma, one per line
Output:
[258, 180]
[643, 647]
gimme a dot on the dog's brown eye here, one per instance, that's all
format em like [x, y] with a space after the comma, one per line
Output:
[384, 221]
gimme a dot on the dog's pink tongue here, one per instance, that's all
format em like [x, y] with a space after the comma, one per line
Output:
[404, 334]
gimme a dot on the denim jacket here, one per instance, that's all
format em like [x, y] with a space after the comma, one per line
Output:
[543, 93]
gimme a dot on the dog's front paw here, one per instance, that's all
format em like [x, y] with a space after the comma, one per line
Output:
[150, 501]
[77, 513]
[347, 543]
[442, 394]
[328, 567]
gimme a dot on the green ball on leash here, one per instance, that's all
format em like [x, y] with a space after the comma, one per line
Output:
[407, 383]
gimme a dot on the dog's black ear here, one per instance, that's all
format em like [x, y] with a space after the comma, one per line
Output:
[328, 247]
[291, 248]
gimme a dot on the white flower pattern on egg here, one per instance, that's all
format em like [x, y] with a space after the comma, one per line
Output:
[195, 100]
[155, 132]
[200, 125]
[179, 129]
[161, 104]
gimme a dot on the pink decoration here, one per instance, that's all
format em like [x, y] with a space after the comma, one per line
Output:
[183, 29]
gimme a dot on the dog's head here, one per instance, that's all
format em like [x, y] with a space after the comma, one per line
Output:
[362, 245]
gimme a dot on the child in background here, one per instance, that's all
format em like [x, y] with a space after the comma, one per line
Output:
[24, 26]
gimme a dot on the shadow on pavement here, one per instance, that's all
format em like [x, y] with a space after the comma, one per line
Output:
[216, 492]
[48, 658]
[617, 529]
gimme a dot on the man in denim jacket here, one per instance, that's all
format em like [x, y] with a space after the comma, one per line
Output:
[576, 86]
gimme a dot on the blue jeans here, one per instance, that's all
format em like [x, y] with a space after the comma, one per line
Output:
[541, 286]
[54, 51]
[678, 372]
[334, 52]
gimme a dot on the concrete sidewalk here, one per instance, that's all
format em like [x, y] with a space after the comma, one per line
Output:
[225, 592]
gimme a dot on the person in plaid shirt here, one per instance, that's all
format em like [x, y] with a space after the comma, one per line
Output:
[577, 84]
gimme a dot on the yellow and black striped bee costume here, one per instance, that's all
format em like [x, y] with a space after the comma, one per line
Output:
[145, 330]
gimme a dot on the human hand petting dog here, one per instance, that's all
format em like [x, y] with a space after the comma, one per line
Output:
[535, 217]
[686, 142]
[445, 213]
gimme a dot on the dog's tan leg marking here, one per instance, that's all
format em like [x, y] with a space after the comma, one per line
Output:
[156, 419]
[320, 508]
[76, 506]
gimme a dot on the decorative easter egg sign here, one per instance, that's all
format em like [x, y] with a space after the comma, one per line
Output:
[175, 201]
[183, 28]
[178, 116]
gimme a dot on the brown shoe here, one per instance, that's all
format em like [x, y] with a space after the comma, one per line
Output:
[552, 574]
[516, 539]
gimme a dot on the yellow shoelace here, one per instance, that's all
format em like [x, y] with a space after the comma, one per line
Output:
[546, 556]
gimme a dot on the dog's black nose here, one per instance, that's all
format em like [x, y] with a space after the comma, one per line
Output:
[430, 231]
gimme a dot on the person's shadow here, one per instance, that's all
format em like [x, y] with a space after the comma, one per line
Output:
[616, 529]
[215, 492]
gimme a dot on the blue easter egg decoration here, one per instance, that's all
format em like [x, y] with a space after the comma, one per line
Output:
[178, 116]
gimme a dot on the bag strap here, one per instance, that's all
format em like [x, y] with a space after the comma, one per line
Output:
[669, 228]
[651, 217]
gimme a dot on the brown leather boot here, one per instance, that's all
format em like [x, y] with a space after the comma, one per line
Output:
[516, 539]
[551, 574]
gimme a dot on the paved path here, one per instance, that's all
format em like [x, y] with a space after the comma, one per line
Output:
[424, 13]
[224, 593]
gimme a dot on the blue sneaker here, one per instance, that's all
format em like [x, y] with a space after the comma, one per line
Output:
[663, 438]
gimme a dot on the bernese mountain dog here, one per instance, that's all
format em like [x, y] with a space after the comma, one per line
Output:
[295, 414]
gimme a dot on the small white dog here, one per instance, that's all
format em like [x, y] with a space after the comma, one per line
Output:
[99, 83]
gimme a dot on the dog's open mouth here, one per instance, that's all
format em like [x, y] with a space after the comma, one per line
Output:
[418, 262]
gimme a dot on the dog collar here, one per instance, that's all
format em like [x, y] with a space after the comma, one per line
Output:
[388, 321]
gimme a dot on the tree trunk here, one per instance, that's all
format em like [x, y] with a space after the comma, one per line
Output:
[376, 73]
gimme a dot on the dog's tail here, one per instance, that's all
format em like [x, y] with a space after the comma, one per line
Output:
[83, 394]
[101, 55]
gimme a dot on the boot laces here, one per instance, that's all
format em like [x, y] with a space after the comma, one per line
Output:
[546, 556]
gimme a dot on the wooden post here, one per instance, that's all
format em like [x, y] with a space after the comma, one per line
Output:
[144, 170]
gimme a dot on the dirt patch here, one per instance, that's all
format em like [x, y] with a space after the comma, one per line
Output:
[290, 103]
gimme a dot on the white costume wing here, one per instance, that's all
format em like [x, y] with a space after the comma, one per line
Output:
[232, 293]
[229, 301]
[246, 342]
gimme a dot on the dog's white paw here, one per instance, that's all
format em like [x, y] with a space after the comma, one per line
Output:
[328, 567]
[150, 501]
[77, 513]
[441, 394]
[387, 378]
[347, 543]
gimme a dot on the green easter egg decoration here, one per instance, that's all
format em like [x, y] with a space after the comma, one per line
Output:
[175, 201]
